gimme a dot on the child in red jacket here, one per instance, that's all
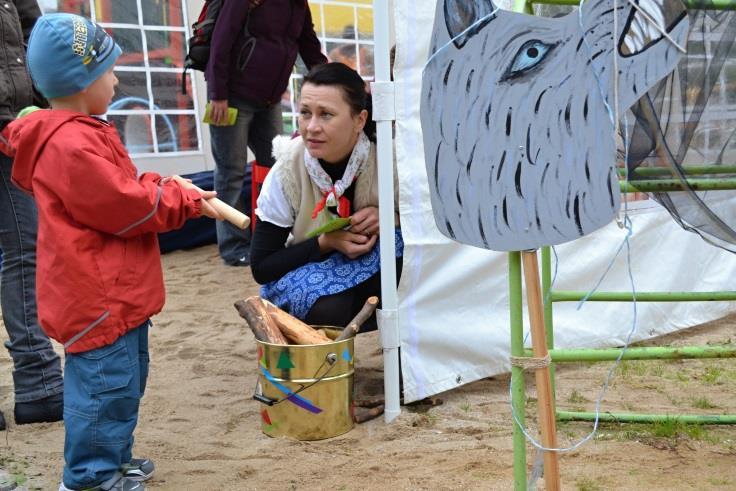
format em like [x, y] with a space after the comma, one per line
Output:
[99, 276]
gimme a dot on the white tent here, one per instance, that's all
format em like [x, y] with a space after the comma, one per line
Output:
[451, 314]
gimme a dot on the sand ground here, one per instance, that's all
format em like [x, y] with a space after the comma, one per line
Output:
[200, 425]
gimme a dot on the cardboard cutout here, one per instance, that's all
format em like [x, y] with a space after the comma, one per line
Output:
[518, 141]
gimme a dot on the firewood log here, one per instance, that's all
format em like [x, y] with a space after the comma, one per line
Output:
[295, 330]
[259, 321]
[363, 414]
[354, 326]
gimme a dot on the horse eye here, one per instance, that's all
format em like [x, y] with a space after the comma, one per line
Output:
[531, 54]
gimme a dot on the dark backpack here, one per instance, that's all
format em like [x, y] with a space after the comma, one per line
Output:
[199, 43]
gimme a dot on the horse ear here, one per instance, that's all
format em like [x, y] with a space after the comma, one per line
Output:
[463, 14]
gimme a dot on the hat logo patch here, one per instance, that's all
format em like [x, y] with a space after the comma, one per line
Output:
[79, 42]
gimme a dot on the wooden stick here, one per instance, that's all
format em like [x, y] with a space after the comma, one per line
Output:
[230, 214]
[546, 408]
[354, 326]
[263, 327]
[240, 220]
[295, 330]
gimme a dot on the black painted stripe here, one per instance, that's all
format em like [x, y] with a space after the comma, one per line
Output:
[480, 229]
[539, 100]
[500, 165]
[517, 180]
[447, 73]
[470, 159]
[469, 82]
[576, 207]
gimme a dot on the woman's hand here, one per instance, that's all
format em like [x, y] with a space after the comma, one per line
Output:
[351, 244]
[365, 221]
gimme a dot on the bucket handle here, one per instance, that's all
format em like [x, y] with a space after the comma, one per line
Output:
[330, 359]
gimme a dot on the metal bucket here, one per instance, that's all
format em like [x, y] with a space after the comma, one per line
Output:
[307, 390]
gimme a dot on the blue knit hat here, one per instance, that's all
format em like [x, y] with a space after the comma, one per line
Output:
[67, 52]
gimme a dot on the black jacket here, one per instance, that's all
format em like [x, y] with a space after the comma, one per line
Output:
[17, 18]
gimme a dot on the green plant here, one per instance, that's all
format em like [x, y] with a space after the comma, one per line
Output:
[587, 484]
[577, 398]
[703, 403]
[667, 428]
[657, 369]
[712, 374]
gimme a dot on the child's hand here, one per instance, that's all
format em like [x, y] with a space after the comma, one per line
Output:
[185, 183]
[207, 209]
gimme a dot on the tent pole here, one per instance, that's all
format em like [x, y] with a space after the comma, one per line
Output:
[384, 115]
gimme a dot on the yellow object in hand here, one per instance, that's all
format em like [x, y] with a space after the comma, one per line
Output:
[232, 115]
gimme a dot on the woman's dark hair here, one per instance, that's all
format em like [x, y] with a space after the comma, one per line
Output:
[353, 89]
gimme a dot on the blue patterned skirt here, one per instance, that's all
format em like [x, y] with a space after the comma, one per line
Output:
[298, 290]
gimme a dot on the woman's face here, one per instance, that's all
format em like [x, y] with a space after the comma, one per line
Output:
[327, 124]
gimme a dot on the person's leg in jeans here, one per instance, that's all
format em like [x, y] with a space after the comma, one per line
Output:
[37, 368]
[230, 151]
[102, 393]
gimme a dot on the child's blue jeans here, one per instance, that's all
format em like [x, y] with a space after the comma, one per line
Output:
[102, 392]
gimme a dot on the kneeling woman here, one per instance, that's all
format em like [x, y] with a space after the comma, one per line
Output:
[328, 172]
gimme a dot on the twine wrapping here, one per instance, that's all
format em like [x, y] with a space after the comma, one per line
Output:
[530, 363]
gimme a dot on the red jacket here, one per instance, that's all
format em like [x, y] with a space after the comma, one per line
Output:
[98, 268]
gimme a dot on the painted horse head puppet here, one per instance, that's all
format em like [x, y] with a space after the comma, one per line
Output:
[517, 115]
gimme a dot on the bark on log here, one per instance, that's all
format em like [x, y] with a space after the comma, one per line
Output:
[264, 328]
[363, 414]
[295, 330]
[354, 326]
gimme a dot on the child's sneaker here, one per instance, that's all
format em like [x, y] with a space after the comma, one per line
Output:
[115, 483]
[138, 470]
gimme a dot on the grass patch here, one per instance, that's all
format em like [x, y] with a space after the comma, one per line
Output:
[719, 481]
[656, 369]
[712, 375]
[682, 376]
[587, 484]
[465, 406]
[703, 403]
[577, 398]
[14, 472]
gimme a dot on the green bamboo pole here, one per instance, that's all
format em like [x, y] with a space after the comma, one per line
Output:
[663, 185]
[524, 6]
[574, 296]
[647, 353]
[692, 4]
[725, 419]
[518, 393]
[689, 170]
[549, 328]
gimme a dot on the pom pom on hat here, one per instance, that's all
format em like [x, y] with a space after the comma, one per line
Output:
[67, 52]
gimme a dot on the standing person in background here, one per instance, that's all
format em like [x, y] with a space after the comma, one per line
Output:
[254, 46]
[37, 376]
